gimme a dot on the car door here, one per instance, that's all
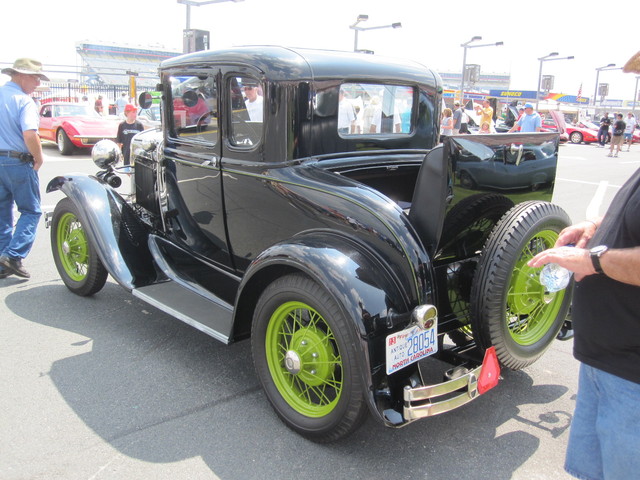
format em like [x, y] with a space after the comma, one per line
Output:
[46, 129]
[193, 177]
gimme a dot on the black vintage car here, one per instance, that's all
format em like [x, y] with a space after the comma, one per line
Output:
[301, 198]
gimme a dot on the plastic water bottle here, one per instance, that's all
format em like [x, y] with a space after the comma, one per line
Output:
[554, 277]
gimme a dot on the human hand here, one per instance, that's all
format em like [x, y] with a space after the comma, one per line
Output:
[576, 235]
[578, 260]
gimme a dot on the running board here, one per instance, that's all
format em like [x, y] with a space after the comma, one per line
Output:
[210, 317]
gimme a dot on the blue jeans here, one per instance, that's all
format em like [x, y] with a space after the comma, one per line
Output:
[19, 184]
[604, 442]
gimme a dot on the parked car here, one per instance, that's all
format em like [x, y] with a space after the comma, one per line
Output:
[150, 117]
[345, 257]
[74, 126]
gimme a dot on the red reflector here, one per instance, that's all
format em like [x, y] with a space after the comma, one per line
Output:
[490, 373]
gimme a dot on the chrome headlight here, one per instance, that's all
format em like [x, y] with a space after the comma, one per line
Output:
[106, 153]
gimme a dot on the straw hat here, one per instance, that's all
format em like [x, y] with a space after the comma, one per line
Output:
[633, 65]
[27, 66]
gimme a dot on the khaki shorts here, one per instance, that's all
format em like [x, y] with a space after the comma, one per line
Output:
[616, 140]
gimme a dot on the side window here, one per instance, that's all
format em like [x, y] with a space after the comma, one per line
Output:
[370, 109]
[247, 113]
[195, 108]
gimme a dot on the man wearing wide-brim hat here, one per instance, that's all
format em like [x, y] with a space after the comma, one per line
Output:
[20, 160]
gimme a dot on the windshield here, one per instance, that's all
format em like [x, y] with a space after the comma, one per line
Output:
[74, 111]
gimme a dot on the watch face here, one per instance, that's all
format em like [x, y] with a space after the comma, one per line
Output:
[600, 249]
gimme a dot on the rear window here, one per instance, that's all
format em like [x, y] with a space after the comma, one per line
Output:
[374, 109]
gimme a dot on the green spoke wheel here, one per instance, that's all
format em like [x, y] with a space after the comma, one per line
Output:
[305, 359]
[76, 260]
[510, 308]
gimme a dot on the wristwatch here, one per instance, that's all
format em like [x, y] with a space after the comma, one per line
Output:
[596, 253]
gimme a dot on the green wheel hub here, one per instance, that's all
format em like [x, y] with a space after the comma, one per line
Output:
[531, 311]
[72, 247]
[303, 359]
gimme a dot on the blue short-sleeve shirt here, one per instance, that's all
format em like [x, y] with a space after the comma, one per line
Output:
[18, 113]
[529, 123]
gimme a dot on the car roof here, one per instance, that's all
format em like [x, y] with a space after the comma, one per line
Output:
[285, 63]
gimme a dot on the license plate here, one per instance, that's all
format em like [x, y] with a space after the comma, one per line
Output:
[410, 345]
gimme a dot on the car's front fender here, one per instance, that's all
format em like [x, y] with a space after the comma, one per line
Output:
[119, 239]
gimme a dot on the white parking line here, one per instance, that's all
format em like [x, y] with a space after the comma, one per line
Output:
[593, 209]
[572, 180]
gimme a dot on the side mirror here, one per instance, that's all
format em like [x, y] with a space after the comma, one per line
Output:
[145, 100]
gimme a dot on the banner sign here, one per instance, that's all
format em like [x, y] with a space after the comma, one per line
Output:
[514, 94]
[561, 97]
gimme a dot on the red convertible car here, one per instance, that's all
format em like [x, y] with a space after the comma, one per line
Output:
[586, 132]
[73, 125]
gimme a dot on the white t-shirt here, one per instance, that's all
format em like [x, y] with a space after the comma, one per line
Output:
[254, 109]
[631, 124]
[346, 114]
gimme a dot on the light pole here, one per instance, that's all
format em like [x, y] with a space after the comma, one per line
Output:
[611, 66]
[464, 59]
[635, 97]
[356, 28]
[198, 3]
[547, 58]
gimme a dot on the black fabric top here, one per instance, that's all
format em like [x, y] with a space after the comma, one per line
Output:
[605, 312]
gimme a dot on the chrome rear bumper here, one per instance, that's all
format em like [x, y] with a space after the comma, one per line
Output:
[418, 401]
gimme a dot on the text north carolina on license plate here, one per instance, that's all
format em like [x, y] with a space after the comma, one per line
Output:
[410, 345]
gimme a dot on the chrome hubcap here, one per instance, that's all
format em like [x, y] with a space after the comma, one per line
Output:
[292, 362]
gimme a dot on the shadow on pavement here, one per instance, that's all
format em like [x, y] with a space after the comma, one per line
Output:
[160, 391]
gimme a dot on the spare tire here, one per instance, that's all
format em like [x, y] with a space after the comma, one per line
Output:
[510, 308]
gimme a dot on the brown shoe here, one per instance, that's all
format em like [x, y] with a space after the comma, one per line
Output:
[14, 265]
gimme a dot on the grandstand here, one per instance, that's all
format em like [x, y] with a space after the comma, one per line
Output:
[112, 64]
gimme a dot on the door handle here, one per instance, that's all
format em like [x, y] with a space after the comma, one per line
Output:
[213, 162]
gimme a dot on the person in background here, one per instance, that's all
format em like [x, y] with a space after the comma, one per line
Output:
[617, 138]
[603, 132]
[529, 122]
[127, 130]
[372, 116]
[346, 115]
[121, 103]
[485, 128]
[20, 159]
[254, 102]
[486, 112]
[98, 105]
[457, 117]
[628, 131]
[446, 125]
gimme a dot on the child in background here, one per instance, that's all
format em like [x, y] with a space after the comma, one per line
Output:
[127, 129]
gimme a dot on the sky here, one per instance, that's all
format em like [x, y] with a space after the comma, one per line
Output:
[431, 33]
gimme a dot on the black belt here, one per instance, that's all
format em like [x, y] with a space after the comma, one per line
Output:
[25, 157]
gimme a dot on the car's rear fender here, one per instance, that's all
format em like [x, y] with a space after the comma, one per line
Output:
[366, 291]
[119, 239]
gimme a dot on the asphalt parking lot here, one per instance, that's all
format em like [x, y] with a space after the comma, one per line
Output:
[108, 387]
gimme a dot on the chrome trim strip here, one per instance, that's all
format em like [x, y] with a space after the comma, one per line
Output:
[469, 382]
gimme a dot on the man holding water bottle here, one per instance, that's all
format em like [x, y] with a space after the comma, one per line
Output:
[605, 439]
